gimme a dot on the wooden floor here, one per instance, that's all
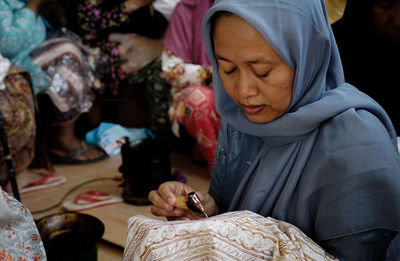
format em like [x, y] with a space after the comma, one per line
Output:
[113, 216]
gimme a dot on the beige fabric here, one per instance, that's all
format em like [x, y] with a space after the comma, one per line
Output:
[239, 235]
[335, 9]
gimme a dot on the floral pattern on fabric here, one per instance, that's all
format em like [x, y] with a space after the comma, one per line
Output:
[157, 91]
[195, 110]
[240, 235]
[18, 109]
[20, 33]
[96, 23]
[20, 239]
[181, 74]
[192, 102]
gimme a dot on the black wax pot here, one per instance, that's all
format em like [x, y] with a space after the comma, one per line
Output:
[70, 236]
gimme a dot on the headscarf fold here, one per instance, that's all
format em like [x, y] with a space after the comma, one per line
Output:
[320, 149]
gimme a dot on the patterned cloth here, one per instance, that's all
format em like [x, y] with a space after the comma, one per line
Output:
[96, 23]
[157, 92]
[20, 239]
[97, 19]
[192, 103]
[22, 41]
[18, 109]
[69, 88]
[196, 111]
[241, 235]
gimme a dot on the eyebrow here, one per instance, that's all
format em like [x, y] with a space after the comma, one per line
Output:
[218, 57]
[256, 61]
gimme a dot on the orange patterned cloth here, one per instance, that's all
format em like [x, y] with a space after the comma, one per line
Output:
[196, 111]
[239, 235]
[192, 103]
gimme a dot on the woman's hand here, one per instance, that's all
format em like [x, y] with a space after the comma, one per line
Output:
[133, 5]
[164, 201]
[136, 51]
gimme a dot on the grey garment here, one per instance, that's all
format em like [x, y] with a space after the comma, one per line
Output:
[330, 164]
[330, 194]
[364, 246]
[393, 252]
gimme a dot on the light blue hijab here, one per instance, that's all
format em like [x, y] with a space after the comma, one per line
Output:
[330, 164]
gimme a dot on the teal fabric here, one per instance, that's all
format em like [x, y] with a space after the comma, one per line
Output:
[20, 238]
[20, 33]
[330, 164]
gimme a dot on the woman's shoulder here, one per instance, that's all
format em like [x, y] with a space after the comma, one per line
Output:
[354, 128]
[355, 141]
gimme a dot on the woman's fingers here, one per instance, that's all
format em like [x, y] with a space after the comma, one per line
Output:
[117, 37]
[176, 212]
[164, 199]
[168, 190]
[159, 202]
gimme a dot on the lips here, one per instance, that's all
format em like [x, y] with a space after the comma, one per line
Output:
[252, 109]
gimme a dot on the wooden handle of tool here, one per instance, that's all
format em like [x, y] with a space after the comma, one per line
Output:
[181, 202]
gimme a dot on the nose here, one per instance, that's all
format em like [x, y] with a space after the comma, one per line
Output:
[247, 85]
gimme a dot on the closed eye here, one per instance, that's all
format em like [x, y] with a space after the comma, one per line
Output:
[230, 71]
[263, 75]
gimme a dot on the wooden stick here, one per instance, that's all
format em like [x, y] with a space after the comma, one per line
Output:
[181, 202]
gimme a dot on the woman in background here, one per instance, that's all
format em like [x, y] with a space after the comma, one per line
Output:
[59, 76]
[368, 37]
[99, 19]
[188, 70]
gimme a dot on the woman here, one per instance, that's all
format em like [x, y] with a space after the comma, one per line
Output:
[187, 69]
[21, 133]
[58, 73]
[296, 142]
[98, 19]
[368, 37]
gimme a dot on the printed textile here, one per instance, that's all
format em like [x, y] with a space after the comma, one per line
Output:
[192, 102]
[240, 235]
[98, 19]
[20, 239]
[18, 109]
[63, 61]
[196, 111]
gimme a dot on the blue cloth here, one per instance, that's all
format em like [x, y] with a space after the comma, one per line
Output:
[330, 164]
[108, 134]
[20, 33]
[49, 28]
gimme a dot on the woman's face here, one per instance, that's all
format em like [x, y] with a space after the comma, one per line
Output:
[253, 74]
[386, 15]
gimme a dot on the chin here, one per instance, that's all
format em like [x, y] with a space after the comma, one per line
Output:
[259, 119]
